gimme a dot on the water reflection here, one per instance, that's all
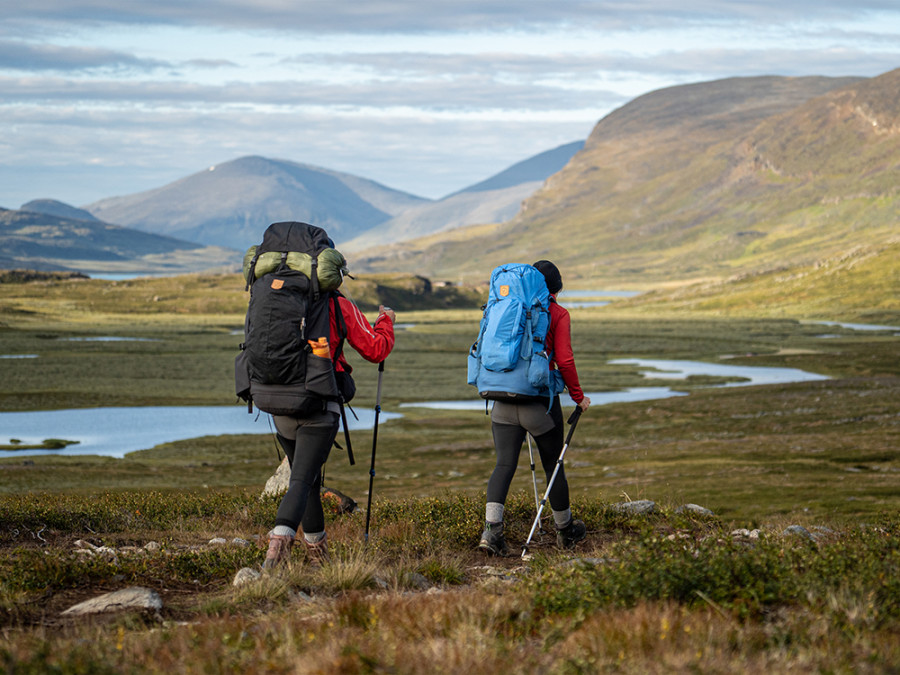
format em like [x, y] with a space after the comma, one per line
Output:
[108, 338]
[752, 375]
[854, 326]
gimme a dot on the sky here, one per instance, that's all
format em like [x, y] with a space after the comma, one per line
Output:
[100, 98]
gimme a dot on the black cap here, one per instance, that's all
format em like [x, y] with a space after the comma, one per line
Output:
[551, 275]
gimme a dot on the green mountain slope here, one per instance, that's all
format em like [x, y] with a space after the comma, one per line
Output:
[860, 284]
[703, 181]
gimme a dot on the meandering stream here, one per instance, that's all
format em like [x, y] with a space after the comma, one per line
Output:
[113, 432]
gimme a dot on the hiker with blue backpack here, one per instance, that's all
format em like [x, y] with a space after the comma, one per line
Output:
[292, 366]
[522, 361]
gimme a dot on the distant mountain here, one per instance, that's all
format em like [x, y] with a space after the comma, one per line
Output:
[534, 169]
[51, 207]
[231, 204]
[39, 241]
[705, 180]
[493, 200]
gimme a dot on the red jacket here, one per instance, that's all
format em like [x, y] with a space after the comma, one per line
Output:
[559, 345]
[373, 343]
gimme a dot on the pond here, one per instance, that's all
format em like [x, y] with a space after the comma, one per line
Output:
[855, 326]
[752, 375]
[113, 432]
[587, 298]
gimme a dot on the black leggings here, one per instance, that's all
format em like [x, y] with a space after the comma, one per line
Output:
[508, 440]
[306, 455]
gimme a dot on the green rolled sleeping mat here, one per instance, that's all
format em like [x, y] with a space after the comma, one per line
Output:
[332, 266]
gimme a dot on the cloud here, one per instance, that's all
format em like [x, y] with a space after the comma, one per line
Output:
[583, 67]
[18, 55]
[463, 93]
[413, 16]
[427, 155]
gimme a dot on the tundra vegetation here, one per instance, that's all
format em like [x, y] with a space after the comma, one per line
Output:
[796, 568]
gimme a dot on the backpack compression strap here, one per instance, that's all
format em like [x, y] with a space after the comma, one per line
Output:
[342, 333]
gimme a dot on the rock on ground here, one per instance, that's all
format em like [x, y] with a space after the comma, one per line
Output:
[245, 575]
[278, 482]
[635, 508]
[135, 597]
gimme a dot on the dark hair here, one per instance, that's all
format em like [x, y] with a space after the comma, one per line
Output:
[551, 275]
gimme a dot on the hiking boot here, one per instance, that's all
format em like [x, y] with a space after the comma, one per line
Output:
[279, 550]
[317, 553]
[492, 540]
[571, 534]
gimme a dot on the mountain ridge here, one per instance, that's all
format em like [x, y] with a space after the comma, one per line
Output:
[232, 203]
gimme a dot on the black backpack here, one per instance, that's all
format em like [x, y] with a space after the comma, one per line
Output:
[288, 314]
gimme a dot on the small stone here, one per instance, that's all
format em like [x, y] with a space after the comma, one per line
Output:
[237, 541]
[217, 541]
[152, 546]
[418, 581]
[585, 562]
[799, 531]
[245, 575]
[694, 508]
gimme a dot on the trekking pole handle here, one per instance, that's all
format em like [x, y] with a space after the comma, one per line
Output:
[378, 392]
[573, 418]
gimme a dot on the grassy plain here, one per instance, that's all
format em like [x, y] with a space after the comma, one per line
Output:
[675, 593]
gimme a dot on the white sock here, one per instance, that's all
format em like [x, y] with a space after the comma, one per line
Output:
[284, 531]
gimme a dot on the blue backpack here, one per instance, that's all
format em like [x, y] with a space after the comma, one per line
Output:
[508, 361]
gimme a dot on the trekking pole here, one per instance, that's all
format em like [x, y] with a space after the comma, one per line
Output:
[346, 433]
[374, 445]
[573, 420]
[533, 475]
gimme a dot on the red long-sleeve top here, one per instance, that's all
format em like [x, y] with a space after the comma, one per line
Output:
[559, 345]
[373, 343]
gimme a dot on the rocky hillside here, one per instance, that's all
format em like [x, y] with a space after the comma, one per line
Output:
[703, 180]
[40, 241]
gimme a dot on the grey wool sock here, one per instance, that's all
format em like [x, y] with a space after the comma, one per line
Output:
[493, 512]
[562, 518]
[314, 537]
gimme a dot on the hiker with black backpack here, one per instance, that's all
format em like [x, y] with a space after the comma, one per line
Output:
[292, 366]
[524, 379]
